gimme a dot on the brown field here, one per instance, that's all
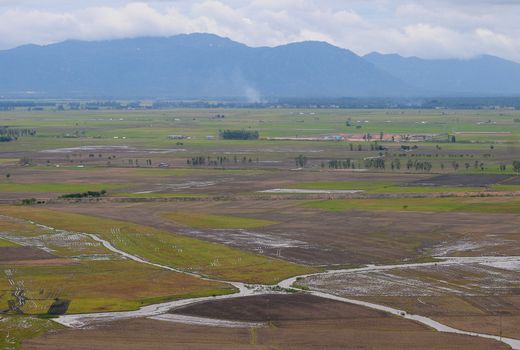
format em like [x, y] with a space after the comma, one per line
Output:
[296, 322]
[472, 297]
[336, 238]
[490, 315]
[186, 180]
[22, 253]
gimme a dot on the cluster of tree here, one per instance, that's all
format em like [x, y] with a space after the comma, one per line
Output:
[6, 138]
[377, 147]
[16, 132]
[88, 194]
[419, 165]
[10, 134]
[301, 161]
[359, 147]
[516, 120]
[29, 201]
[10, 105]
[367, 137]
[218, 161]
[132, 162]
[516, 166]
[476, 165]
[376, 163]
[339, 164]
[396, 164]
[238, 135]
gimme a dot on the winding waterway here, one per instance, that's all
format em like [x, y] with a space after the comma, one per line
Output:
[159, 311]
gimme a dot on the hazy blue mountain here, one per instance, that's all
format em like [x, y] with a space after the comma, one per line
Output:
[482, 75]
[208, 66]
[191, 66]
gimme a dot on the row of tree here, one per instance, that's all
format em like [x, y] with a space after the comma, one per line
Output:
[339, 164]
[88, 194]
[16, 132]
[238, 135]
[218, 161]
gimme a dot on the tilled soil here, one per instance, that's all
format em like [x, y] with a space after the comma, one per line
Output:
[23, 253]
[277, 307]
[315, 324]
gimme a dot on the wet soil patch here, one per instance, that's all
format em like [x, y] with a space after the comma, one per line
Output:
[277, 307]
[23, 253]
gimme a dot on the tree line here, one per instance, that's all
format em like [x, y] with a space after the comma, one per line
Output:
[238, 135]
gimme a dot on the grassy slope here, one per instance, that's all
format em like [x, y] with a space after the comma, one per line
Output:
[165, 248]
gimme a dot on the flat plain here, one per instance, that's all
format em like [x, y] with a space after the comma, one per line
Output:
[104, 211]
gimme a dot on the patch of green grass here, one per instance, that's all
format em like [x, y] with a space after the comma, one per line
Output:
[108, 285]
[500, 187]
[479, 204]
[56, 187]
[201, 220]
[6, 243]
[15, 329]
[93, 285]
[381, 187]
[165, 248]
[8, 160]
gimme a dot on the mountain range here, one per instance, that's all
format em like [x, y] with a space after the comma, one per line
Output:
[206, 66]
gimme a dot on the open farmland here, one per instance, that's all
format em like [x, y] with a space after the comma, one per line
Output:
[291, 322]
[110, 230]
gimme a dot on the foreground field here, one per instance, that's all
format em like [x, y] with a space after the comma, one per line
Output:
[47, 273]
[291, 322]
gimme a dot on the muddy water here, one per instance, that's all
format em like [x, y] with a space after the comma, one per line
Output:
[155, 311]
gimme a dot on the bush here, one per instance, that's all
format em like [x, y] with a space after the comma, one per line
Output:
[238, 135]
[7, 138]
[29, 201]
[84, 194]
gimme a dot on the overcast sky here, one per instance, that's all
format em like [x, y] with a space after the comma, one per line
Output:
[427, 28]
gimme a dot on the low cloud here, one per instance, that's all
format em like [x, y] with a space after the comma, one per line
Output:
[431, 28]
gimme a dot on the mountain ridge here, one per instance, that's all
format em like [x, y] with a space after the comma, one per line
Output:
[203, 65]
